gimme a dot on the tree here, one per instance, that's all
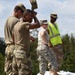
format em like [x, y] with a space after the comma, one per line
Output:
[69, 53]
[33, 54]
[1, 64]
[2, 53]
[2, 46]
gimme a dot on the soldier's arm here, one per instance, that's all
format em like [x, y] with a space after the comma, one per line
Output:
[36, 23]
[32, 38]
[49, 43]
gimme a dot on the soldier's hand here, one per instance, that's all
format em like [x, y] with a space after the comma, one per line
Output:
[34, 13]
[32, 39]
[50, 45]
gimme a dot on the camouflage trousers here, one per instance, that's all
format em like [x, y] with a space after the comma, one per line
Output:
[46, 57]
[8, 59]
[21, 63]
[58, 51]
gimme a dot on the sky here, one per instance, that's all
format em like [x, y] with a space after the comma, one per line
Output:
[65, 9]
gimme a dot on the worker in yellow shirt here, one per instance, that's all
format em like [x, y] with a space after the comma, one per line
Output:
[55, 38]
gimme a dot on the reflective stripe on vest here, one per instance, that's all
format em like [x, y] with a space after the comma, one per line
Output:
[54, 34]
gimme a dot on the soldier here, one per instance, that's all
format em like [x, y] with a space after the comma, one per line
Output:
[9, 40]
[22, 42]
[55, 38]
[45, 54]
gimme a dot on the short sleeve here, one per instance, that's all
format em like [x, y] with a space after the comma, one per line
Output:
[14, 23]
[26, 24]
[42, 32]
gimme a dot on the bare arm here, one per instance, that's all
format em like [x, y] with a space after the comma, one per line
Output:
[36, 23]
[43, 35]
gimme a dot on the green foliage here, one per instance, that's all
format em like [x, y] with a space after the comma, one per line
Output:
[69, 53]
[2, 46]
[35, 65]
[2, 52]
[1, 64]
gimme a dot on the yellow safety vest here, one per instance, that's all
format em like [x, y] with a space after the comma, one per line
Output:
[54, 34]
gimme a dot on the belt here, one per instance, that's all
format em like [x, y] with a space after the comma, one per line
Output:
[10, 44]
[43, 44]
[46, 44]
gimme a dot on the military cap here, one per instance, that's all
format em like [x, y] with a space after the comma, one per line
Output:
[54, 15]
[43, 22]
[21, 6]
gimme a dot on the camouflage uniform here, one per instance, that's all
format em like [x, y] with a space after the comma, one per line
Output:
[22, 64]
[9, 40]
[55, 39]
[8, 59]
[45, 55]
[11, 21]
[58, 51]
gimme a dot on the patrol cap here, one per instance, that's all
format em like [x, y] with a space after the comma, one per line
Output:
[54, 15]
[21, 6]
[43, 22]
